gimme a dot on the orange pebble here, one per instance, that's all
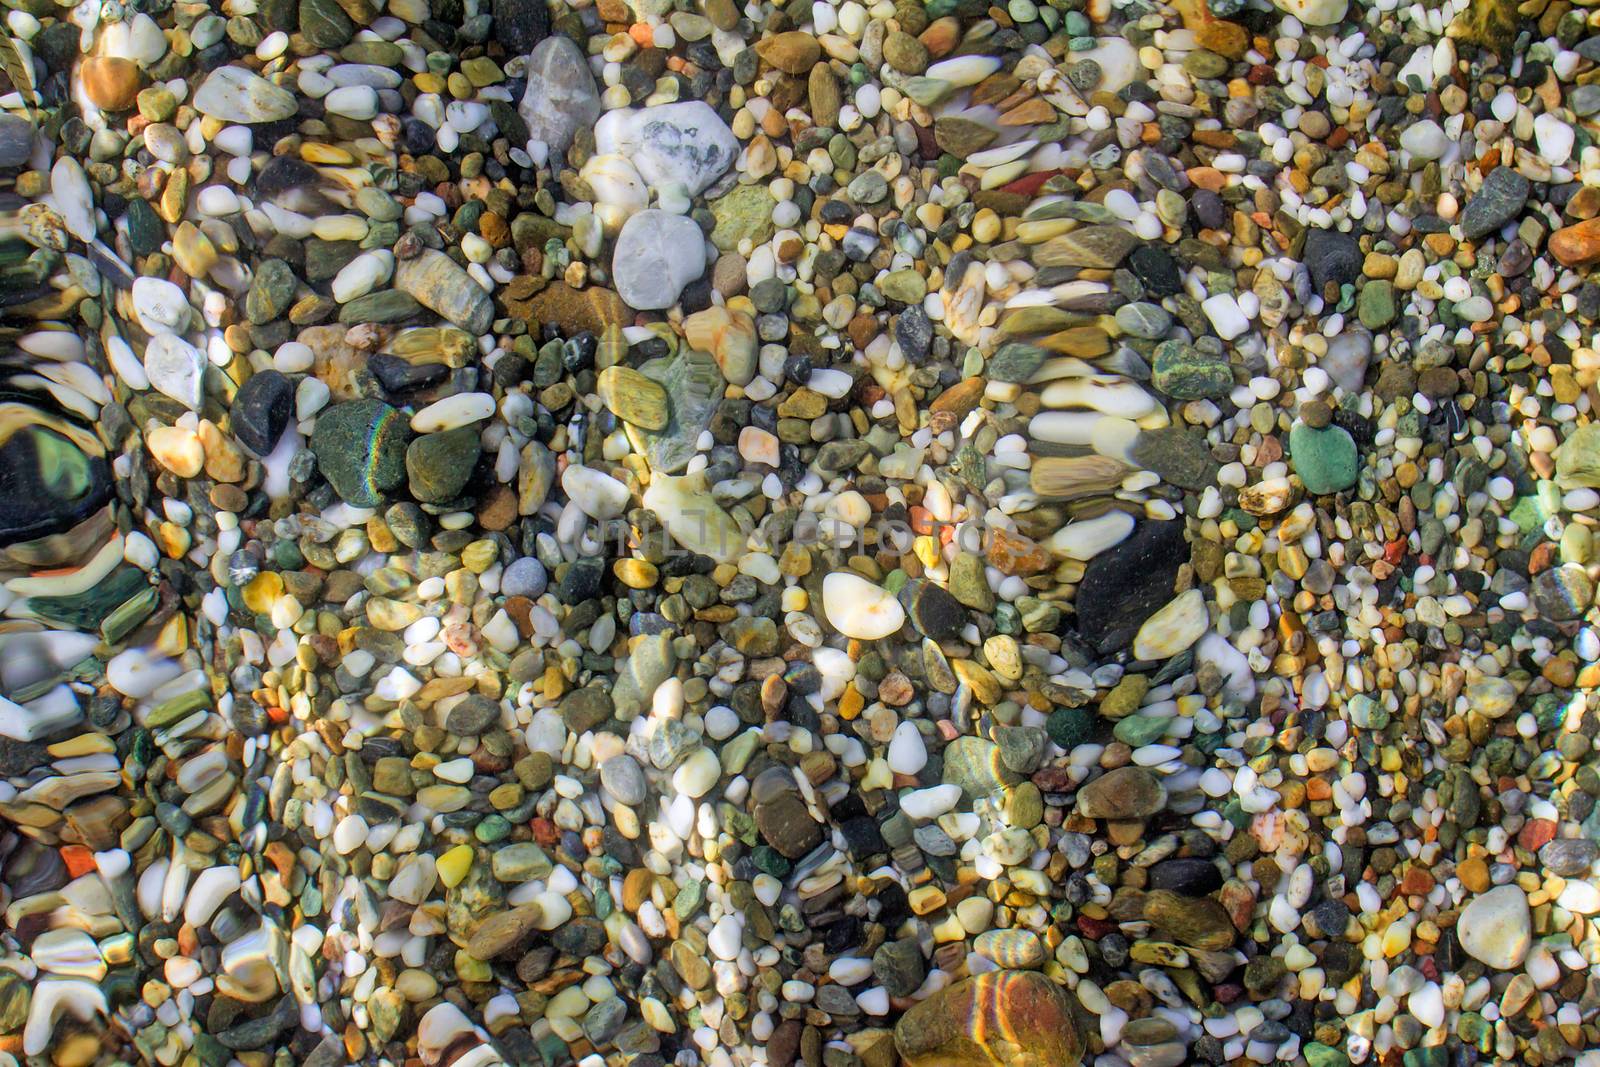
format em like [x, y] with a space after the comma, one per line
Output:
[79, 860]
[643, 34]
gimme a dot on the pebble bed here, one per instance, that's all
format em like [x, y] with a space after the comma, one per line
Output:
[893, 534]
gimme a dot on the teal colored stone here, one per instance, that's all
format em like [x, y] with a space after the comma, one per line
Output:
[1138, 730]
[770, 860]
[1325, 459]
[493, 828]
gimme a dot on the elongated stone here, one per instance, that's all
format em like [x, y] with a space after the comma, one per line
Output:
[439, 285]
[1104, 246]
[234, 94]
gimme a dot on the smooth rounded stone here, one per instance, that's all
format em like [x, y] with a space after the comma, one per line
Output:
[233, 94]
[525, 577]
[1012, 949]
[697, 774]
[684, 144]
[596, 493]
[1150, 321]
[908, 753]
[1021, 748]
[261, 411]
[454, 411]
[1325, 459]
[1200, 922]
[500, 933]
[786, 825]
[622, 777]
[899, 967]
[932, 609]
[1569, 857]
[1331, 256]
[1125, 585]
[1493, 698]
[656, 256]
[1193, 876]
[439, 465]
[732, 339]
[1001, 1019]
[360, 447]
[1563, 593]
[436, 282]
[1124, 793]
[651, 663]
[16, 140]
[561, 97]
[519, 25]
[1496, 928]
[271, 292]
[974, 765]
[110, 82]
[472, 715]
[161, 306]
[1174, 628]
[742, 214]
[584, 709]
[859, 609]
[1347, 358]
[521, 862]
[1578, 459]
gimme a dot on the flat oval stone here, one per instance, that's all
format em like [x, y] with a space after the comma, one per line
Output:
[1124, 793]
[1001, 1019]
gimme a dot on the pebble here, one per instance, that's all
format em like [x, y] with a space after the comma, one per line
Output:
[935, 536]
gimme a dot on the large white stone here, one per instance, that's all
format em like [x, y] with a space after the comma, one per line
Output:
[160, 306]
[657, 254]
[1496, 929]
[857, 608]
[685, 143]
[233, 94]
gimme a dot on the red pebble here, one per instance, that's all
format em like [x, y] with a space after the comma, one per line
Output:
[1095, 929]
[1535, 834]
[1030, 184]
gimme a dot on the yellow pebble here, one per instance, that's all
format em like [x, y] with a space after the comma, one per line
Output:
[454, 865]
[263, 591]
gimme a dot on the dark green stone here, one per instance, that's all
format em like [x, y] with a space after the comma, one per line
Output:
[439, 465]
[360, 448]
